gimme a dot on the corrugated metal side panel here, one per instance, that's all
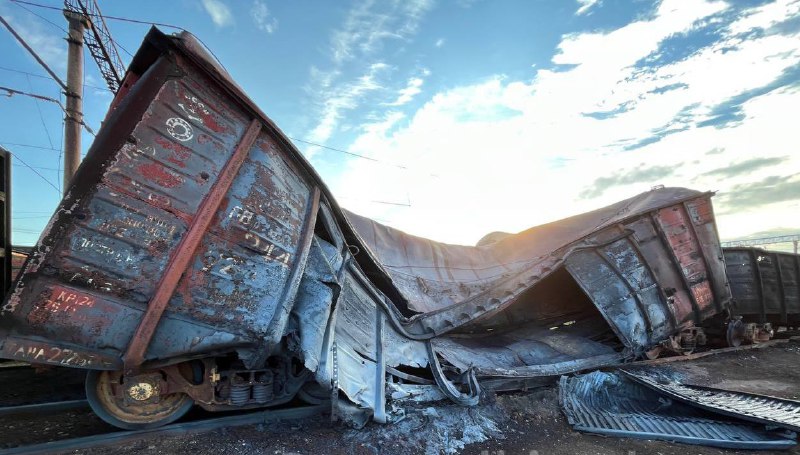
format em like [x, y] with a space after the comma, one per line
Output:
[625, 292]
[243, 263]
[358, 364]
[701, 213]
[790, 277]
[744, 282]
[772, 302]
[764, 284]
[662, 264]
[677, 226]
[107, 250]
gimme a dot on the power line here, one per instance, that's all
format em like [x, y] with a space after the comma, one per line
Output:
[42, 76]
[33, 53]
[40, 167]
[125, 50]
[36, 172]
[17, 144]
[346, 152]
[43, 18]
[41, 117]
[26, 231]
[115, 18]
[133, 21]
[12, 92]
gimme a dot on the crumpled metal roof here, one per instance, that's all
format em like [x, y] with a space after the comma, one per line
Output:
[434, 275]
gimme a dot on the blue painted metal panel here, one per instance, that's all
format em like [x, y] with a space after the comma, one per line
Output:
[89, 281]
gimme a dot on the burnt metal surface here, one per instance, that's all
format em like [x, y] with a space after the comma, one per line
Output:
[611, 404]
[194, 229]
[651, 265]
[183, 253]
[747, 406]
[765, 285]
[182, 207]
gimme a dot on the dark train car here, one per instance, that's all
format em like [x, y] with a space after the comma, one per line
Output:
[197, 258]
[765, 285]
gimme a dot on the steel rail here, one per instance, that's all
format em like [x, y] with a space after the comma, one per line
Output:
[199, 426]
[698, 355]
[52, 406]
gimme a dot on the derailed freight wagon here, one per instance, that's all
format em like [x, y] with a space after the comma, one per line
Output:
[198, 258]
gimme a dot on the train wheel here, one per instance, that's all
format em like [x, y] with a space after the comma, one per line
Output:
[134, 404]
[313, 393]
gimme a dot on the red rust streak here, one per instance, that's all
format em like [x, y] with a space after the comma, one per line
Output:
[179, 154]
[182, 256]
[158, 174]
[211, 123]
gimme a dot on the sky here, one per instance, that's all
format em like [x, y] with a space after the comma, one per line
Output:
[471, 116]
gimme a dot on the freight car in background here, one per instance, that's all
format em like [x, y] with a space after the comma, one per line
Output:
[766, 290]
[198, 258]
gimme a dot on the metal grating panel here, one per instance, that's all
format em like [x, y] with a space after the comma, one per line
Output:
[610, 404]
[755, 408]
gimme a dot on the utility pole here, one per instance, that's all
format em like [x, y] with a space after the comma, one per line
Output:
[73, 118]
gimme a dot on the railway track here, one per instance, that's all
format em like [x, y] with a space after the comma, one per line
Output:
[54, 406]
[181, 428]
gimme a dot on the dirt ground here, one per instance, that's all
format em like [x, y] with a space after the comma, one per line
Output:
[25, 385]
[513, 423]
[518, 423]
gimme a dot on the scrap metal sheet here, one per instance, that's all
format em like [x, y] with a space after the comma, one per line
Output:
[528, 351]
[612, 405]
[748, 406]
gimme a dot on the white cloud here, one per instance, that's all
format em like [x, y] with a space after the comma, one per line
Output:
[342, 98]
[367, 27]
[439, 42]
[586, 5]
[411, 90]
[262, 17]
[220, 13]
[369, 24]
[505, 154]
[49, 44]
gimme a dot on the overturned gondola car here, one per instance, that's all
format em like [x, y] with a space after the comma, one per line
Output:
[197, 258]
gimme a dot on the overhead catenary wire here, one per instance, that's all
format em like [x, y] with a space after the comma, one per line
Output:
[33, 53]
[17, 157]
[11, 92]
[26, 73]
[41, 117]
[39, 147]
[105, 16]
[133, 21]
[161, 24]
[42, 168]
[42, 17]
